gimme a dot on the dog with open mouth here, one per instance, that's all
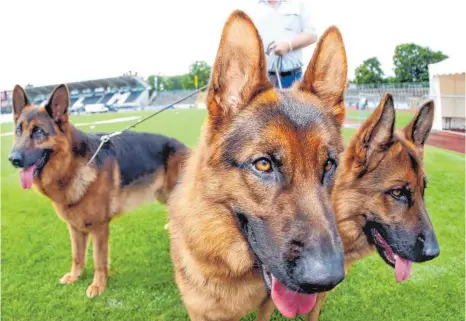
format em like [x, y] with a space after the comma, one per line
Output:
[379, 190]
[251, 221]
[53, 156]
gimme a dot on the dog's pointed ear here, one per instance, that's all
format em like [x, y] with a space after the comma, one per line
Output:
[57, 105]
[239, 72]
[20, 100]
[327, 73]
[418, 130]
[376, 133]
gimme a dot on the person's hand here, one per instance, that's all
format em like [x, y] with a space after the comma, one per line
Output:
[280, 48]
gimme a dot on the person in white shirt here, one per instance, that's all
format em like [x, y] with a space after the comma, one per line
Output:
[285, 27]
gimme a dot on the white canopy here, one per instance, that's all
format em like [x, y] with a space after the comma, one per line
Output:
[448, 66]
[447, 88]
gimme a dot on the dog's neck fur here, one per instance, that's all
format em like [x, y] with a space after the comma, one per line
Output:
[68, 186]
[210, 226]
[350, 216]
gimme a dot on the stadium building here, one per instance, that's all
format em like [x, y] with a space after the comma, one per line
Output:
[93, 96]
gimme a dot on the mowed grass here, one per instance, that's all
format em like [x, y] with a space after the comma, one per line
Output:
[358, 116]
[36, 252]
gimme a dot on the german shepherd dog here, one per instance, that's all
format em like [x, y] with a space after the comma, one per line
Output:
[378, 194]
[251, 217]
[130, 169]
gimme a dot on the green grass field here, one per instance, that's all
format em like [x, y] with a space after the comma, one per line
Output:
[358, 116]
[36, 252]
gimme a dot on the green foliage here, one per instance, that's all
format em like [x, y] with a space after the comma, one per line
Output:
[391, 80]
[411, 62]
[185, 81]
[369, 72]
[166, 83]
[151, 81]
[202, 70]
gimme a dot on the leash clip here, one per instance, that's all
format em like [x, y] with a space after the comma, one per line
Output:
[103, 140]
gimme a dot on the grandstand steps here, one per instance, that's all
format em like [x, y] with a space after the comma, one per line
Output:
[153, 97]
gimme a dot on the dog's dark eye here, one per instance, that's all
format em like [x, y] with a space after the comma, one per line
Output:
[329, 169]
[263, 165]
[37, 131]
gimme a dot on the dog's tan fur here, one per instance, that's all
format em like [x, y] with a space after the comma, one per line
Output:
[354, 196]
[214, 267]
[86, 197]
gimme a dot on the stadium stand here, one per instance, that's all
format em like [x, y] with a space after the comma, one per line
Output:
[132, 97]
[164, 98]
[98, 95]
[5, 102]
[405, 95]
[107, 97]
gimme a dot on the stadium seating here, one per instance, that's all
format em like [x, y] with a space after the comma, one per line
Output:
[73, 100]
[106, 98]
[91, 100]
[164, 98]
[133, 96]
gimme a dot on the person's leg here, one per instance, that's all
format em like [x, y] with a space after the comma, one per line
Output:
[288, 81]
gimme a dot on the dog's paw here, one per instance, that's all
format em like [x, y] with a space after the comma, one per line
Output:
[69, 278]
[94, 290]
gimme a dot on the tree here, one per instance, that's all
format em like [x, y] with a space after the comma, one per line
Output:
[411, 62]
[151, 81]
[369, 72]
[391, 80]
[202, 70]
[163, 82]
[186, 81]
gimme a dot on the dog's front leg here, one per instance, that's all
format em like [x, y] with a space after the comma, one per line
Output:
[265, 310]
[79, 241]
[99, 236]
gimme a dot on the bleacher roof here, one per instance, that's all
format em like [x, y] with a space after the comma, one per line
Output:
[122, 81]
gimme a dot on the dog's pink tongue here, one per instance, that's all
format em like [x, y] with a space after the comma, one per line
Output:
[402, 269]
[26, 176]
[291, 303]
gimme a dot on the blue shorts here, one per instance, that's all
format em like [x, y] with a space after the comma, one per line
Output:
[287, 80]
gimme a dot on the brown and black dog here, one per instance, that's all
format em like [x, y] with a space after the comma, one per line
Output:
[252, 216]
[378, 194]
[130, 169]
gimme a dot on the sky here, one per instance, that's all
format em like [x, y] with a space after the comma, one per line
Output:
[48, 42]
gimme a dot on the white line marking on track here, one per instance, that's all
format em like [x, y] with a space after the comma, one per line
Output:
[99, 122]
[108, 121]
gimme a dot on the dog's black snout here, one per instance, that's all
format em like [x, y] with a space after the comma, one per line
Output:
[318, 272]
[427, 241]
[16, 158]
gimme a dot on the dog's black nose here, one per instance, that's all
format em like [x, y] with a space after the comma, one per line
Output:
[317, 272]
[16, 158]
[429, 244]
